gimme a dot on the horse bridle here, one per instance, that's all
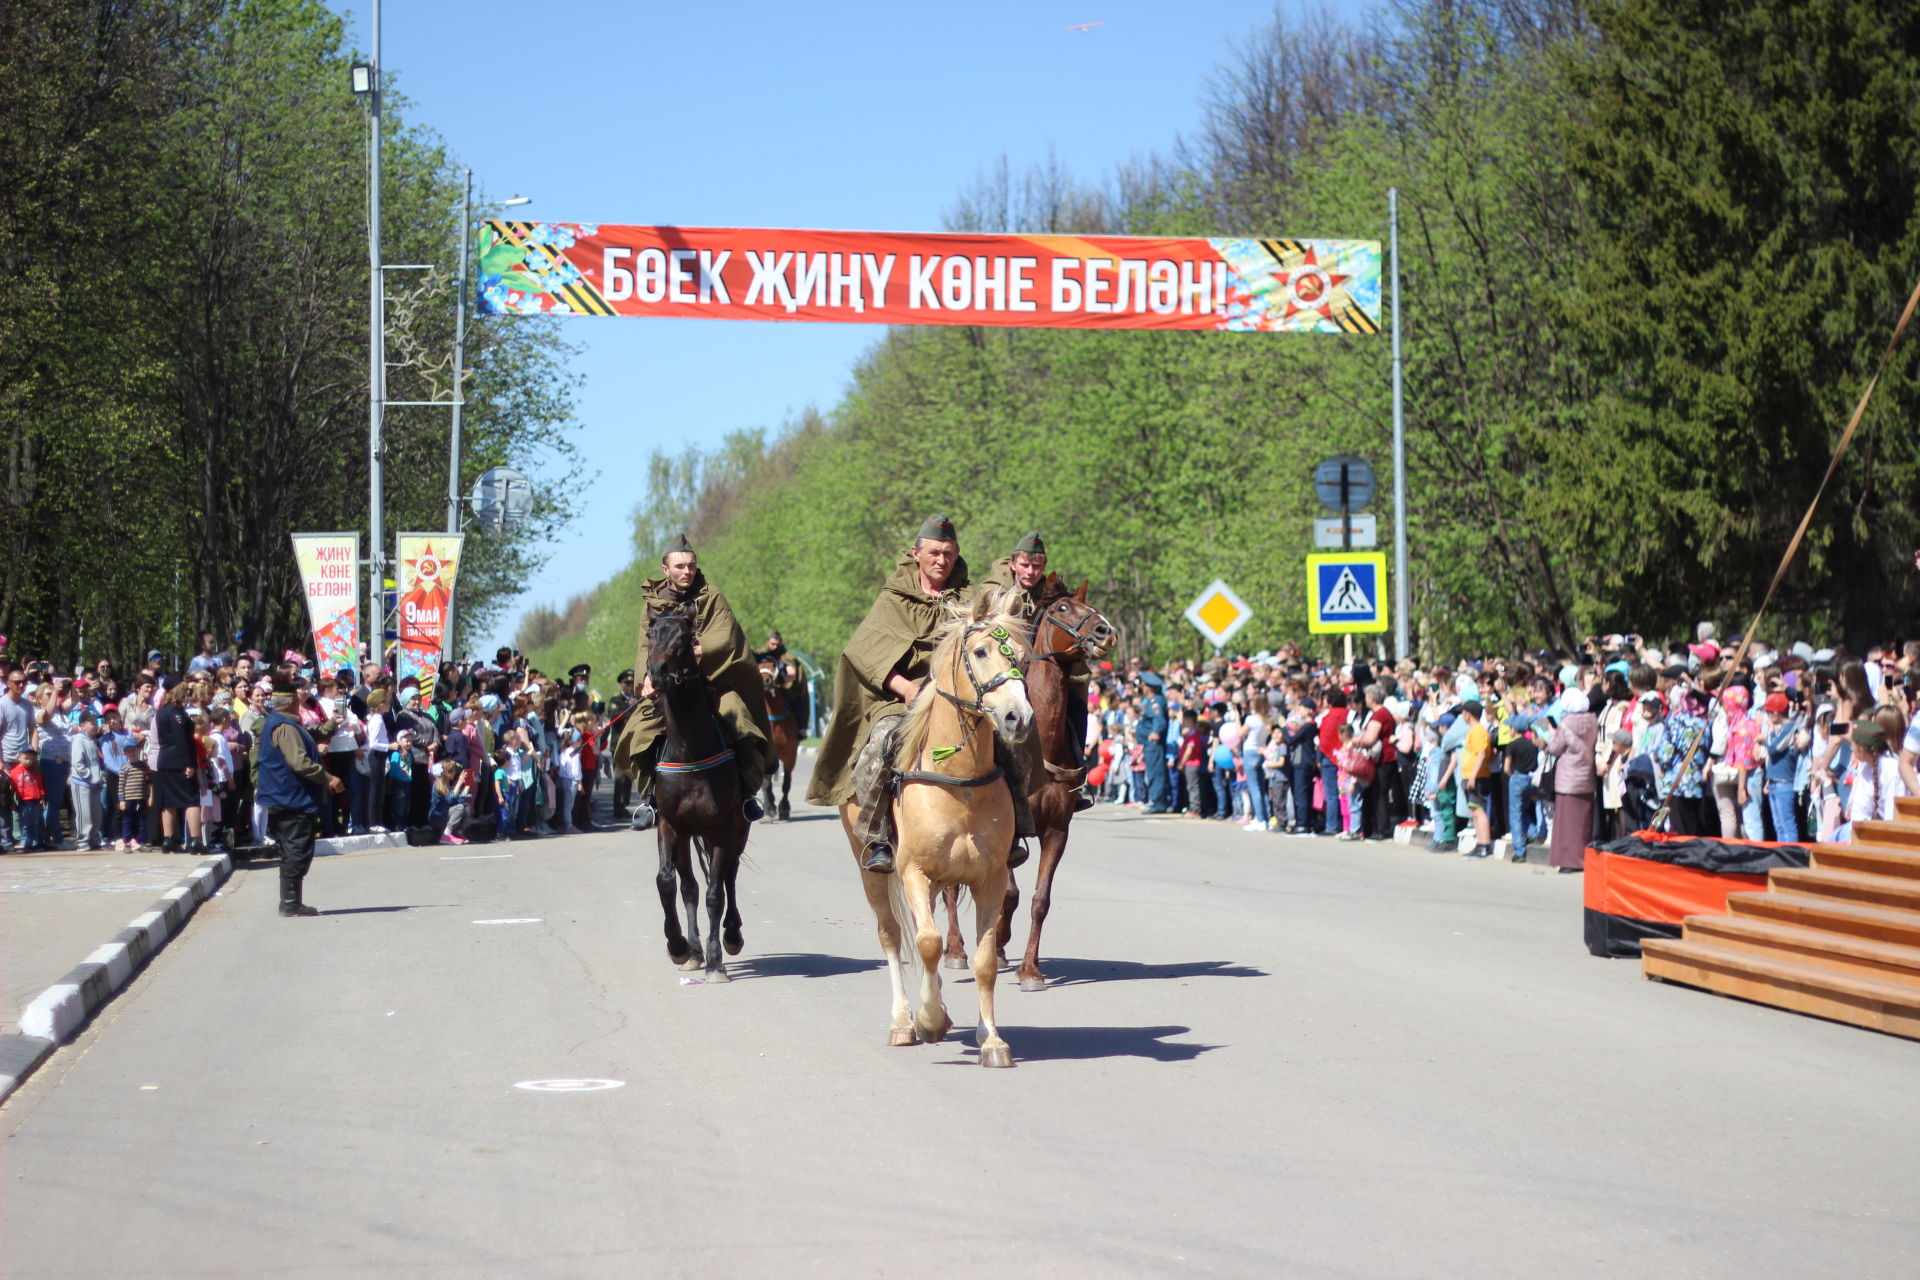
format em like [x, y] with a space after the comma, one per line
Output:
[978, 703]
[1078, 649]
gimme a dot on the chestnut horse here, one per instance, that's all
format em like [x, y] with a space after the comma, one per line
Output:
[696, 792]
[784, 746]
[954, 816]
[1066, 630]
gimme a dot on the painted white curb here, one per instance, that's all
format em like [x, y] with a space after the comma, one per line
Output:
[64, 1007]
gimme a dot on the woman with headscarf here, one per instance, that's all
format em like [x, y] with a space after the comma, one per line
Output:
[1574, 782]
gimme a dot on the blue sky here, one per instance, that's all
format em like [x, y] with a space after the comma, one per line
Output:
[869, 116]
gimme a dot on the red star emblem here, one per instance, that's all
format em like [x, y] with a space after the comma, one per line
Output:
[1310, 287]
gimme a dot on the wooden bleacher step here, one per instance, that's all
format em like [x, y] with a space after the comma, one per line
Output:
[1882, 924]
[1844, 997]
[1851, 886]
[1903, 832]
[1874, 859]
[1907, 806]
[1838, 951]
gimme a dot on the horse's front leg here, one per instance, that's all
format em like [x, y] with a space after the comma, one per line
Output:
[676, 941]
[718, 863]
[786, 792]
[1052, 848]
[879, 892]
[956, 953]
[690, 893]
[733, 938]
[932, 1021]
[987, 897]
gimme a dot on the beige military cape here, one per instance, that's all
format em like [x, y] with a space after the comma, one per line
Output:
[896, 636]
[725, 660]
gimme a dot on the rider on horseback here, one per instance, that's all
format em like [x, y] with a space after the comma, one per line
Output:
[1025, 571]
[880, 673]
[720, 647]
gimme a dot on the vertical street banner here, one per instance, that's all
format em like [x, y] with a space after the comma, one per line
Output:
[330, 580]
[1232, 284]
[429, 565]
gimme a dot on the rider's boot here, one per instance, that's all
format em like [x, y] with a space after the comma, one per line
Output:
[752, 808]
[879, 857]
[873, 792]
[643, 815]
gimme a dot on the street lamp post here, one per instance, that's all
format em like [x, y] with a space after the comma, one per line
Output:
[460, 345]
[369, 88]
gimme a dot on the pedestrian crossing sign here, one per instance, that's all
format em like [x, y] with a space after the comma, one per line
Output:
[1346, 592]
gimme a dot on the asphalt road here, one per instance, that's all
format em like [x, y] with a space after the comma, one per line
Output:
[1262, 1057]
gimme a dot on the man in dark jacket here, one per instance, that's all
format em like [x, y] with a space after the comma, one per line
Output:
[291, 782]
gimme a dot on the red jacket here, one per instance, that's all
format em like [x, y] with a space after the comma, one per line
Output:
[27, 782]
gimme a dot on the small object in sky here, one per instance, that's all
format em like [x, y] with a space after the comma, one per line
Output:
[1084, 27]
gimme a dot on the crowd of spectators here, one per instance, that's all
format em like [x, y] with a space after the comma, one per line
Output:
[1791, 744]
[164, 759]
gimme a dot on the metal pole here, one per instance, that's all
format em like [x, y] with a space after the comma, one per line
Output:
[375, 622]
[1400, 592]
[459, 386]
[459, 359]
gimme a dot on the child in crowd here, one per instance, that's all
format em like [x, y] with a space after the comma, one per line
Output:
[216, 768]
[452, 804]
[30, 799]
[87, 782]
[583, 727]
[1355, 771]
[399, 768]
[506, 789]
[569, 780]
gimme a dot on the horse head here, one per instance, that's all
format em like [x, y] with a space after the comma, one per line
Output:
[981, 664]
[1066, 625]
[670, 660]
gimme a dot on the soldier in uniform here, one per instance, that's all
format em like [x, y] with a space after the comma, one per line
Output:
[622, 781]
[1026, 569]
[720, 647]
[1153, 731]
[880, 672]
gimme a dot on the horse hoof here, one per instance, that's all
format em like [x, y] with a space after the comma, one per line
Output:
[957, 962]
[693, 962]
[679, 952]
[786, 811]
[901, 1037]
[718, 975]
[996, 1055]
[733, 941]
[1033, 984]
[932, 1033]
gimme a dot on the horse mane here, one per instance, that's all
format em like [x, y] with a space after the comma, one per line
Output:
[1053, 588]
[990, 610]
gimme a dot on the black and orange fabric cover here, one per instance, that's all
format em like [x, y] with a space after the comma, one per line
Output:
[1645, 884]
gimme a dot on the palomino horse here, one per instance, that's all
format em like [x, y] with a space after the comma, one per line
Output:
[696, 792]
[1066, 629]
[954, 817]
[785, 743]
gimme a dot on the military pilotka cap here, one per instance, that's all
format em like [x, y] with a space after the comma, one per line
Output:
[1030, 545]
[678, 542]
[938, 528]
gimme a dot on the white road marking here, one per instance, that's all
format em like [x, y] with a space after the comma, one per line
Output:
[522, 920]
[471, 857]
[569, 1086]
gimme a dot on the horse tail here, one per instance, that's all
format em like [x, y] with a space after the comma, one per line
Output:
[706, 858]
[912, 970]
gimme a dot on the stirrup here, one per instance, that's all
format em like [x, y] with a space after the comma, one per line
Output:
[1017, 855]
[1082, 802]
[752, 808]
[879, 858]
[643, 817]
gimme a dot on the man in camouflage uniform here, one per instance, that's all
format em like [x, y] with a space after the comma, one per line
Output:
[720, 649]
[880, 672]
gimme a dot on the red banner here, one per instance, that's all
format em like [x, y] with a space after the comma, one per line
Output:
[871, 277]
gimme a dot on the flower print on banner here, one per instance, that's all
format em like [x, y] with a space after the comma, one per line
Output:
[521, 271]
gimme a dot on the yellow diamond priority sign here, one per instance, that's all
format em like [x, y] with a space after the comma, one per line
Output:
[1218, 613]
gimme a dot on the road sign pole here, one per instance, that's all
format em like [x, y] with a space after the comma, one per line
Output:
[1400, 593]
[1346, 515]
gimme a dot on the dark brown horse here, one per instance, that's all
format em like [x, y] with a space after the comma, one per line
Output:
[696, 792]
[784, 746]
[1066, 631]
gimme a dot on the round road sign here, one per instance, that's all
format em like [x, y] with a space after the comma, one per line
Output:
[1326, 482]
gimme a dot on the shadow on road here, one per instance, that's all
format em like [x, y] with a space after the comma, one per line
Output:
[803, 965]
[1068, 972]
[1067, 1044]
[364, 911]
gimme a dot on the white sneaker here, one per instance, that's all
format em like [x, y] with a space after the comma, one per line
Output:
[376, 831]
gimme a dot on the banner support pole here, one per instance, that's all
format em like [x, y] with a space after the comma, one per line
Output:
[374, 625]
[1400, 592]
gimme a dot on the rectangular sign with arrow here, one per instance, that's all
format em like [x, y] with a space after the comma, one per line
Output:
[1365, 532]
[1346, 592]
